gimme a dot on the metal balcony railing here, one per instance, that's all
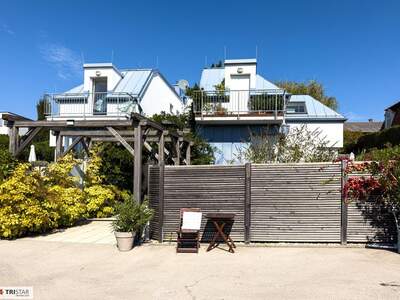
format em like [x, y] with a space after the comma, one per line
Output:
[239, 102]
[90, 104]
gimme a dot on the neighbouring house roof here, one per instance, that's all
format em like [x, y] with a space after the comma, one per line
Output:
[211, 77]
[10, 116]
[370, 126]
[315, 110]
[394, 106]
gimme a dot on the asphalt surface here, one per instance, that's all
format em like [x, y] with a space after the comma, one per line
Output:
[59, 270]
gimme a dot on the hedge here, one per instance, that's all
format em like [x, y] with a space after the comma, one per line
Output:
[379, 140]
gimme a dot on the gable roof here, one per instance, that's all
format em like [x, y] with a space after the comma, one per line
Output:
[132, 82]
[211, 77]
[363, 126]
[315, 110]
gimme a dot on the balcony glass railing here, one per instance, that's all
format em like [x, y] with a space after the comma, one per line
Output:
[239, 102]
[90, 104]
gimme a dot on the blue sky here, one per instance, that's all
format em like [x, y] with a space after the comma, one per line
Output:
[352, 47]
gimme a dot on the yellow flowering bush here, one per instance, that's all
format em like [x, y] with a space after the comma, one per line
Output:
[33, 200]
[23, 206]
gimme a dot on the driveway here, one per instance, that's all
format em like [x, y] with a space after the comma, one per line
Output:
[59, 270]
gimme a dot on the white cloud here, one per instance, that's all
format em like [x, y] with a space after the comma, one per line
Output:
[66, 62]
[6, 29]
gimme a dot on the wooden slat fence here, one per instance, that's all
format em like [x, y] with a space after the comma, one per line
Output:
[296, 202]
[272, 202]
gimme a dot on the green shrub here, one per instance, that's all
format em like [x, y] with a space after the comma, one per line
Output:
[388, 137]
[380, 154]
[350, 139]
[131, 216]
[7, 163]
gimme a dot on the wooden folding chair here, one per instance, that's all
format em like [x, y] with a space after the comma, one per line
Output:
[188, 240]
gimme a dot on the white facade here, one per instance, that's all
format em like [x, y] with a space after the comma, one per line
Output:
[249, 104]
[240, 74]
[330, 132]
[159, 97]
[95, 71]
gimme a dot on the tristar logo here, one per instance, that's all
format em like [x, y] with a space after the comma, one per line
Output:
[16, 292]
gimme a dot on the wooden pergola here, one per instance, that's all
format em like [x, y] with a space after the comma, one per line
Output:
[143, 132]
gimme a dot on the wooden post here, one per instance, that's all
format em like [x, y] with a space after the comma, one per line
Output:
[59, 139]
[13, 140]
[137, 166]
[188, 153]
[178, 152]
[247, 203]
[344, 211]
[161, 145]
[161, 203]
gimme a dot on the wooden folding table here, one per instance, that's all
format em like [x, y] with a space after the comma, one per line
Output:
[220, 220]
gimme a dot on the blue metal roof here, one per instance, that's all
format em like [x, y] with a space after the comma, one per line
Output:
[263, 84]
[211, 77]
[133, 81]
[315, 110]
[76, 90]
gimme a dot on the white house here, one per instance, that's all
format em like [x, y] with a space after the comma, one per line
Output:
[6, 116]
[235, 100]
[107, 92]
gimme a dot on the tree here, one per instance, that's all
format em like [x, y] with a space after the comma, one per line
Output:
[202, 152]
[299, 145]
[312, 88]
[41, 108]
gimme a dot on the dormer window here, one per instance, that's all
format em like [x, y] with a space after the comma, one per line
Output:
[296, 108]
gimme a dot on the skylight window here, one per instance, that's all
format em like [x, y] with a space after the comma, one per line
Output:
[296, 108]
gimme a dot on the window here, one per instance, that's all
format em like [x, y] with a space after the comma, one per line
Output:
[296, 108]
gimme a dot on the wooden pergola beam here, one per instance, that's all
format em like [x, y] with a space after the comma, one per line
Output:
[73, 144]
[76, 123]
[59, 139]
[137, 165]
[27, 140]
[121, 140]
[86, 146]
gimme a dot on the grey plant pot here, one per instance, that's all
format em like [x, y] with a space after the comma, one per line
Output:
[124, 240]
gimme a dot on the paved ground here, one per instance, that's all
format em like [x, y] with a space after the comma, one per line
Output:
[59, 270]
[95, 232]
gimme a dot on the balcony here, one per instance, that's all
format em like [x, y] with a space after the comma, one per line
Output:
[90, 105]
[234, 105]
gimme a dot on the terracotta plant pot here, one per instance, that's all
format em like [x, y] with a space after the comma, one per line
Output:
[124, 240]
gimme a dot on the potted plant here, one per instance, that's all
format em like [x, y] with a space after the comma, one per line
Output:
[220, 110]
[130, 219]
